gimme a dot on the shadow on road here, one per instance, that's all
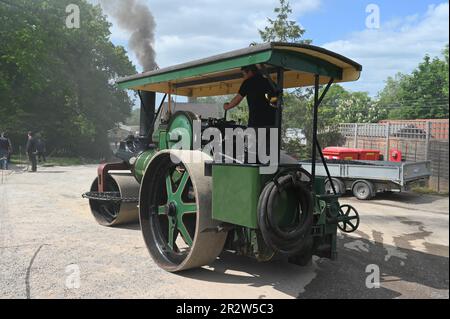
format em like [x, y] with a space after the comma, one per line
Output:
[344, 278]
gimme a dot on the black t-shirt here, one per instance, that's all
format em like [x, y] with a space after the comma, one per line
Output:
[31, 145]
[4, 145]
[260, 112]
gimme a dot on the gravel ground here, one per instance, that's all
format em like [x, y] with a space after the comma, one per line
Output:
[49, 240]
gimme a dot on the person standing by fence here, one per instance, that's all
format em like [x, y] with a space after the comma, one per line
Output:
[31, 150]
[5, 151]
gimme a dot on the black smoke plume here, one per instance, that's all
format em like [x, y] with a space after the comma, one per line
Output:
[135, 17]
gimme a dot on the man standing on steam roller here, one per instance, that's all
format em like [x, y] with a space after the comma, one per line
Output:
[255, 87]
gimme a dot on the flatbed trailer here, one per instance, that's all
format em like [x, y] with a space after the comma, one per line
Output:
[367, 178]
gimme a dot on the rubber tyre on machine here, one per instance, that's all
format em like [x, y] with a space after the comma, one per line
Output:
[338, 185]
[116, 213]
[293, 240]
[175, 210]
[363, 190]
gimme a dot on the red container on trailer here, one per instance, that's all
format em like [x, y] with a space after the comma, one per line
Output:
[369, 155]
[341, 153]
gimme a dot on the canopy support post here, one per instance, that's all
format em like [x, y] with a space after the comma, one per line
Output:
[315, 143]
[279, 119]
[326, 167]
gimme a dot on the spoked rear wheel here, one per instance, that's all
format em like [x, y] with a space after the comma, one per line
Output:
[175, 213]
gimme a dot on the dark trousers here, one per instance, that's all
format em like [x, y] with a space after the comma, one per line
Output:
[33, 161]
[3, 163]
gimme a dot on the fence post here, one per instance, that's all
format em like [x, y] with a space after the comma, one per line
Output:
[439, 171]
[388, 140]
[355, 140]
[427, 141]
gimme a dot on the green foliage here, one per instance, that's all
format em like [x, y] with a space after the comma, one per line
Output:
[298, 115]
[281, 28]
[420, 95]
[58, 81]
[342, 106]
[240, 113]
[134, 118]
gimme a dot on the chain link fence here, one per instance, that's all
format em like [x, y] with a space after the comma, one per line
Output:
[419, 140]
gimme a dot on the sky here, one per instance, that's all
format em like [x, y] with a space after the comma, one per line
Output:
[408, 30]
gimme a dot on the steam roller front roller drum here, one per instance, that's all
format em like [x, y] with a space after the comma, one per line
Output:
[113, 213]
[175, 211]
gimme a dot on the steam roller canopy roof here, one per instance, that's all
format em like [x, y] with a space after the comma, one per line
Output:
[221, 74]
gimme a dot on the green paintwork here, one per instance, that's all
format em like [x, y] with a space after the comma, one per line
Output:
[155, 135]
[305, 63]
[176, 223]
[326, 211]
[236, 191]
[319, 185]
[141, 164]
[180, 127]
[209, 68]
[163, 140]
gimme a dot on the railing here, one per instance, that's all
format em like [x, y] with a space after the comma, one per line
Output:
[438, 130]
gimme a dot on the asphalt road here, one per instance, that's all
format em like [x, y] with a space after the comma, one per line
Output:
[51, 247]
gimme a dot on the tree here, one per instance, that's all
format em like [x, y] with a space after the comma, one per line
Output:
[134, 118]
[281, 28]
[58, 81]
[423, 94]
[358, 107]
[445, 70]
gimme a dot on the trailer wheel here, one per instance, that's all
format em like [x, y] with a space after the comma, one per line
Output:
[363, 190]
[338, 185]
